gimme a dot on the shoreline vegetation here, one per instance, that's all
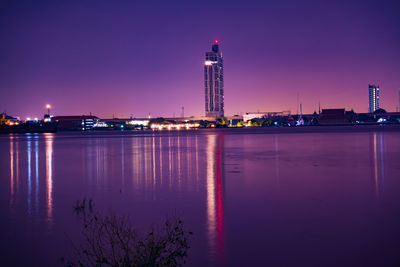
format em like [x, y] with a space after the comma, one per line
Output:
[109, 239]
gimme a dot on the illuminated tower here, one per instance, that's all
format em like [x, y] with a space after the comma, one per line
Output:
[373, 97]
[214, 82]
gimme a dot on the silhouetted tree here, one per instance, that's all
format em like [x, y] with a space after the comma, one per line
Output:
[111, 240]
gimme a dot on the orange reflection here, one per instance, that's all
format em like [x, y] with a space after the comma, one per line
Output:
[136, 162]
[147, 160]
[197, 161]
[169, 161]
[17, 163]
[153, 156]
[188, 157]
[179, 162]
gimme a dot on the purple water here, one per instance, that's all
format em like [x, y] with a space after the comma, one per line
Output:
[251, 198]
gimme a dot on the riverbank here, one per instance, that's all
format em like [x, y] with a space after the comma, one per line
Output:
[233, 130]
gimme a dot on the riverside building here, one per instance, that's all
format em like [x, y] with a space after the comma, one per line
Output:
[373, 98]
[214, 82]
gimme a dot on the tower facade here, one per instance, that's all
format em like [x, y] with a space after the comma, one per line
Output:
[373, 97]
[214, 82]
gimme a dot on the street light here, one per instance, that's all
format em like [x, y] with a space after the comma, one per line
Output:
[48, 109]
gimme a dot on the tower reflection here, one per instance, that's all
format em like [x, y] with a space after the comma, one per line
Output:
[215, 211]
[49, 177]
[377, 163]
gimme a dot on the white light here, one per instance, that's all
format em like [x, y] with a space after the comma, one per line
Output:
[36, 119]
[28, 119]
[100, 124]
[209, 63]
[139, 122]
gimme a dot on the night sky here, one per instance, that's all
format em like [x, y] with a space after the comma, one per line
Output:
[138, 57]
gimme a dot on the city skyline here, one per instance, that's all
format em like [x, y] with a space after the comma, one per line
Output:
[123, 59]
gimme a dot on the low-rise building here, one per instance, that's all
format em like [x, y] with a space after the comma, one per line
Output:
[335, 116]
[75, 123]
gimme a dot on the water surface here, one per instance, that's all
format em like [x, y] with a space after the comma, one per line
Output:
[250, 199]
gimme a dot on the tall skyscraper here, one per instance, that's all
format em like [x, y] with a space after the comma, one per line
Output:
[214, 82]
[373, 97]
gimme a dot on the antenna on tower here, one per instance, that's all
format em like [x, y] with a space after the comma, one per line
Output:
[301, 110]
[319, 108]
[297, 105]
[183, 112]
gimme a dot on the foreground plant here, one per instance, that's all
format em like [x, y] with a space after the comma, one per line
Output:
[110, 240]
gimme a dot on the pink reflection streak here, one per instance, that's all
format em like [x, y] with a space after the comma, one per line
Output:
[12, 166]
[49, 177]
[215, 217]
[376, 167]
[377, 163]
[211, 192]
[220, 207]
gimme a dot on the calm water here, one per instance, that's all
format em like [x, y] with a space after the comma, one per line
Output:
[250, 199]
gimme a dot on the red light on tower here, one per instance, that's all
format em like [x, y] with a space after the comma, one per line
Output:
[216, 41]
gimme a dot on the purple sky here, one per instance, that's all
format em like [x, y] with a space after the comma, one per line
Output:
[136, 57]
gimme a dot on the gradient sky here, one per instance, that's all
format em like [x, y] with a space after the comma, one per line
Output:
[140, 57]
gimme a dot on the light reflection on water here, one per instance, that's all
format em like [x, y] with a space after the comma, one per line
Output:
[215, 212]
[219, 181]
[49, 177]
[377, 165]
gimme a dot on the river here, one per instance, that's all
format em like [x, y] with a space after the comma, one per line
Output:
[249, 197]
